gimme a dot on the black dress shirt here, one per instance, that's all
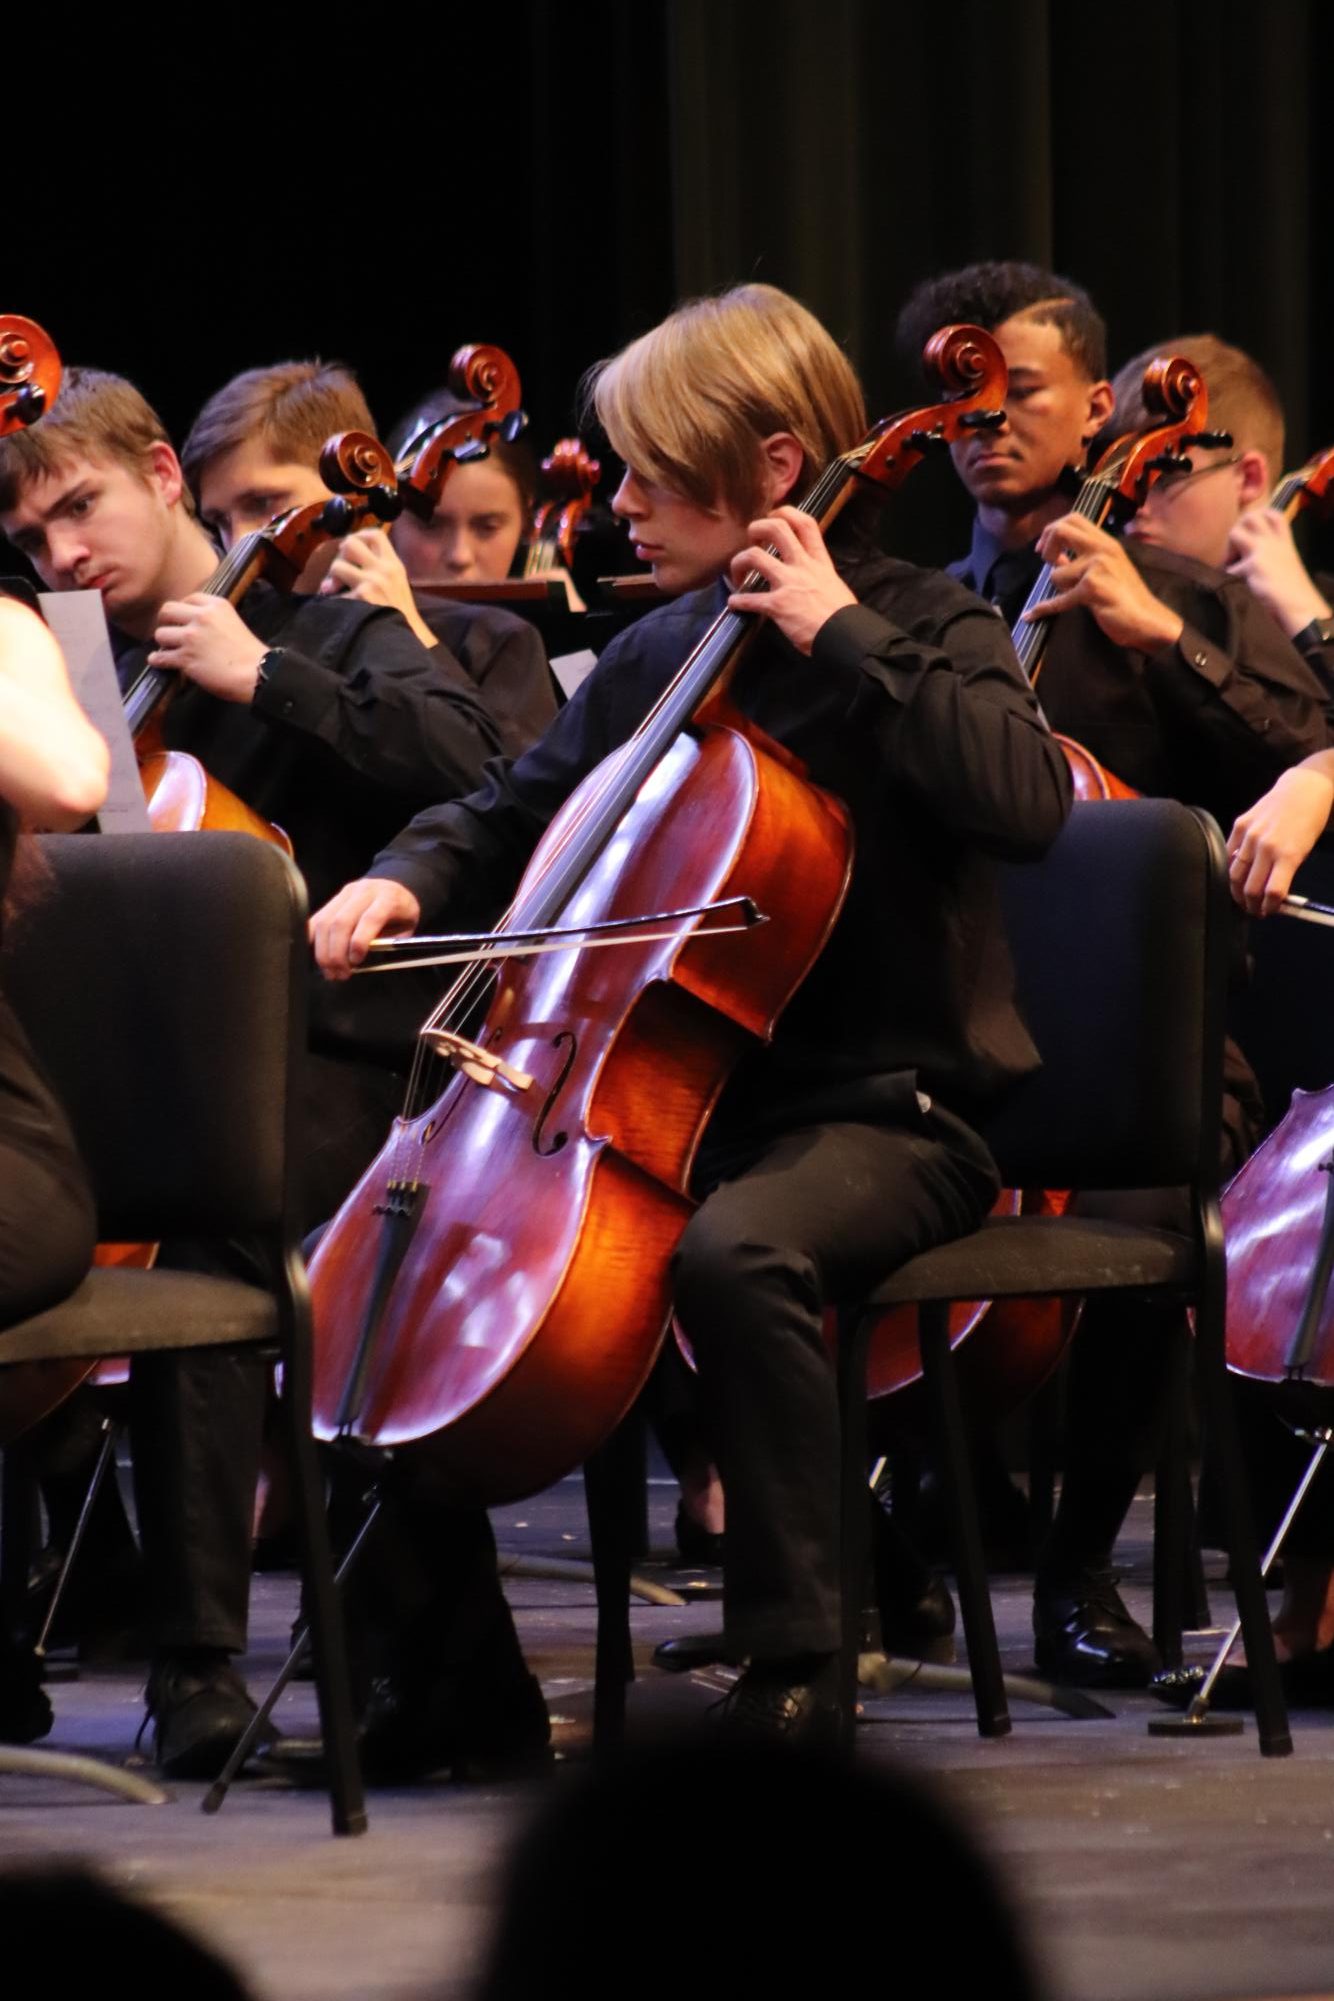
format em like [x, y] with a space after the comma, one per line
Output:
[504, 660]
[913, 711]
[1211, 720]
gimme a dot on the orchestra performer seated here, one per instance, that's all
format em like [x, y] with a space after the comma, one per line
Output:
[254, 451]
[330, 719]
[844, 1146]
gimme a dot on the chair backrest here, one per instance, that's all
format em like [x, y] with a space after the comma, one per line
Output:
[1120, 938]
[162, 981]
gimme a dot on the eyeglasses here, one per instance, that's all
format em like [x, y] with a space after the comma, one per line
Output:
[1170, 481]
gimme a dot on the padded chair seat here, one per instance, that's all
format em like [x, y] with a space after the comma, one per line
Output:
[117, 1312]
[1018, 1257]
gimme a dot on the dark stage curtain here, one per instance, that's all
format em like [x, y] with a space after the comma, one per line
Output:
[1159, 151]
[551, 177]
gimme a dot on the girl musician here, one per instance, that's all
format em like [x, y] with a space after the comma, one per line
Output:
[53, 774]
[844, 1146]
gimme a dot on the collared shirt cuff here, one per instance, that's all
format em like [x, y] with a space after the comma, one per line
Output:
[1202, 657]
[858, 636]
[297, 691]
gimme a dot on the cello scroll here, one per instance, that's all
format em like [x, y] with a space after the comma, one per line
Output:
[30, 372]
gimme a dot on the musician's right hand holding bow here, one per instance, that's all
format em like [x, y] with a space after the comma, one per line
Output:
[342, 932]
[1269, 843]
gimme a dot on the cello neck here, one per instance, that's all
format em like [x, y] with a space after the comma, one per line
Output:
[1094, 501]
[239, 568]
[703, 673]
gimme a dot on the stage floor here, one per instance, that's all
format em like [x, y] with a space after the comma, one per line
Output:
[1144, 1867]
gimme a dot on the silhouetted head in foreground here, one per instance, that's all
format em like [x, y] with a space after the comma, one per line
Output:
[721, 1869]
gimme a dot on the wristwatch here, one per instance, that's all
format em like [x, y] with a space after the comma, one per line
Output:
[268, 667]
[1315, 637]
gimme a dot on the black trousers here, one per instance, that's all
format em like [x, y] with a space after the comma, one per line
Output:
[822, 1216]
[47, 1228]
[196, 1419]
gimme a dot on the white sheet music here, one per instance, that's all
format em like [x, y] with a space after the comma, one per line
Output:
[80, 624]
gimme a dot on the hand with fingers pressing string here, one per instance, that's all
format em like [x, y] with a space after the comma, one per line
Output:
[805, 590]
[1091, 568]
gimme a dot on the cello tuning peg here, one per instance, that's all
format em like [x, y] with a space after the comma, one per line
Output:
[470, 449]
[29, 403]
[512, 424]
[982, 420]
[1210, 440]
[337, 516]
[925, 441]
[386, 502]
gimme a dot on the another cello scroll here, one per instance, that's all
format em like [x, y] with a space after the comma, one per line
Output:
[30, 373]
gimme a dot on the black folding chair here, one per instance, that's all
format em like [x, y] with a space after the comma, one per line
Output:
[1120, 937]
[162, 979]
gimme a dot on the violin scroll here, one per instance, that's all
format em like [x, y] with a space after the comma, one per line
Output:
[29, 372]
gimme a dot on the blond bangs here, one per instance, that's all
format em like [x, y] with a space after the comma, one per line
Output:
[687, 405]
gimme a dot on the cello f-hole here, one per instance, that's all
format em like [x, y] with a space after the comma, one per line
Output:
[570, 1044]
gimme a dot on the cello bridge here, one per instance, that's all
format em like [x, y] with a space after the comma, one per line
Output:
[483, 1066]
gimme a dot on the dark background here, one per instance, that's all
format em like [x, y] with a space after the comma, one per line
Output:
[553, 177]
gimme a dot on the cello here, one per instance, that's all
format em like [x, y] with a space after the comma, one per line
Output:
[497, 1284]
[182, 797]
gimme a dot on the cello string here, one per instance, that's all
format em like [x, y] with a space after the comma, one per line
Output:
[608, 801]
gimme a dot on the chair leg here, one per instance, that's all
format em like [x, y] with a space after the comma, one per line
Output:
[614, 1483]
[854, 1337]
[993, 1715]
[323, 1610]
[1271, 1715]
[1044, 1432]
[1172, 1508]
[105, 1459]
[18, 1493]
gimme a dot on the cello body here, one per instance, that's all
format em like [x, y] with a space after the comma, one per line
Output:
[183, 799]
[534, 1293]
[1273, 1216]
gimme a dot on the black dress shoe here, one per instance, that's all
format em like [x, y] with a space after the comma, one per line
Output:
[199, 1709]
[25, 1707]
[480, 1730]
[914, 1604]
[689, 1651]
[784, 1702]
[696, 1545]
[922, 1630]
[1085, 1636]
[1307, 1683]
